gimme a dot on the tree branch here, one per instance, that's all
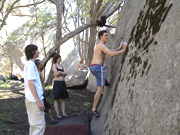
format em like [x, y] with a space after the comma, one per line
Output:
[110, 26]
[77, 31]
[2, 6]
[23, 15]
[7, 14]
[29, 5]
[81, 40]
[104, 8]
[65, 38]
[114, 9]
[52, 1]
[98, 6]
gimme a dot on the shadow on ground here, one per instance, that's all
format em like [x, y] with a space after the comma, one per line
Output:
[13, 116]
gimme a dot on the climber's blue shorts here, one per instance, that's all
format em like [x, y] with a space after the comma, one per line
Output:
[98, 72]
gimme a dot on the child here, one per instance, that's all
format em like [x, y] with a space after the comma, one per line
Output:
[33, 93]
[46, 103]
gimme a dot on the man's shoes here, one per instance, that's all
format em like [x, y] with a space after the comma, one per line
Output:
[59, 116]
[65, 115]
[95, 113]
[107, 83]
[53, 122]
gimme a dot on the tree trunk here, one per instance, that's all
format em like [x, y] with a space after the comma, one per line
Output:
[60, 10]
[92, 33]
[11, 66]
[92, 41]
[83, 46]
[78, 23]
[86, 45]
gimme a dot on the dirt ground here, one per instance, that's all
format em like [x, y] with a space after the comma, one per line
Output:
[13, 116]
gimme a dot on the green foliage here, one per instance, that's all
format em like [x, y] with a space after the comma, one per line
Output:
[4, 85]
[11, 39]
[48, 87]
[113, 20]
[41, 24]
[84, 7]
[9, 44]
[38, 26]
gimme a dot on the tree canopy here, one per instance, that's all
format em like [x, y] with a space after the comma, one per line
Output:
[42, 24]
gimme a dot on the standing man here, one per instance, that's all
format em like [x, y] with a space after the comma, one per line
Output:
[33, 93]
[97, 68]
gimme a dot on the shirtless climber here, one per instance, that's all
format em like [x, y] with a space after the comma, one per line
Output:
[97, 68]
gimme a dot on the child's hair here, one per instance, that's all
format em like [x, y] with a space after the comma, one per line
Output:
[37, 62]
[81, 61]
[55, 57]
[30, 51]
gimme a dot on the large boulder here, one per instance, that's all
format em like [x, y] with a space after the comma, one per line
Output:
[77, 80]
[2, 77]
[70, 57]
[92, 84]
[144, 96]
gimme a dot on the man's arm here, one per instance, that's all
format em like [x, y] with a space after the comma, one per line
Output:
[42, 81]
[113, 52]
[34, 92]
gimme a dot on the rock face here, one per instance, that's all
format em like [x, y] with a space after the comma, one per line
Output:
[92, 85]
[71, 59]
[2, 77]
[144, 96]
[77, 80]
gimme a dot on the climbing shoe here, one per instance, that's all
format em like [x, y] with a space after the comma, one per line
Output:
[53, 122]
[95, 113]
